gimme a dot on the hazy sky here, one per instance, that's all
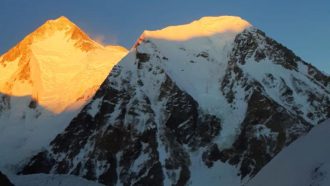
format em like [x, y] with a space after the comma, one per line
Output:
[301, 25]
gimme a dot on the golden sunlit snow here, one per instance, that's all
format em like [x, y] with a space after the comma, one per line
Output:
[206, 26]
[58, 65]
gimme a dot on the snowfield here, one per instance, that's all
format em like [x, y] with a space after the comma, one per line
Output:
[51, 180]
[305, 162]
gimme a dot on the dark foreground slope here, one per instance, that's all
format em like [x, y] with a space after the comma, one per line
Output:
[4, 181]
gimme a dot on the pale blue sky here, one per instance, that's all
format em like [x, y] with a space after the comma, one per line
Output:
[303, 26]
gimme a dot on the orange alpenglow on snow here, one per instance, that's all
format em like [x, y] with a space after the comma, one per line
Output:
[204, 27]
[58, 65]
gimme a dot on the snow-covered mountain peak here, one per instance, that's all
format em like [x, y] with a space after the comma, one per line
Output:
[60, 24]
[204, 27]
[44, 82]
[45, 61]
[62, 20]
[195, 55]
[61, 28]
[83, 41]
[68, 29]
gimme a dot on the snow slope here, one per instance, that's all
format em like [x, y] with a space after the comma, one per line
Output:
[44, 82]
[51, 180]
[303, 163]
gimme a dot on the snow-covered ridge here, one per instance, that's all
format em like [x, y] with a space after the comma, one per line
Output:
[204, 27]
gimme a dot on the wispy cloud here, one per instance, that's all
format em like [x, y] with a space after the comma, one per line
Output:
[105, 40]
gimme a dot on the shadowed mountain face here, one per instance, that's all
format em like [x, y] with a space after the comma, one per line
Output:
[4, 181]
[209, 109]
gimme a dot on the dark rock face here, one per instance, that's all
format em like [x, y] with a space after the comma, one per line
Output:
[106, 146]
[4, 181]
[266, 129]
[42, 164]
[141, 128]
[4, 103]
[269, 125]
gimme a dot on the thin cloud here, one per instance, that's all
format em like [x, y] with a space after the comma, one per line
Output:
[105, 39]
